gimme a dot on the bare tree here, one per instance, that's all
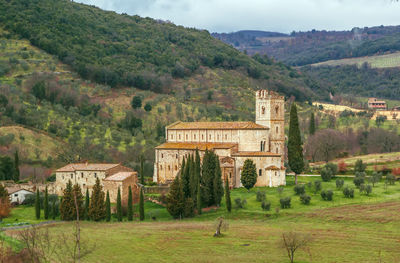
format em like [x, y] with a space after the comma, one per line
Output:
[220, 224]
[38, 243]
[325, 145]
[293, 241]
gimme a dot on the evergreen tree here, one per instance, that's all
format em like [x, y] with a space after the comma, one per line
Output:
[208, 174]
[312, 124]
[186, 178]
[46, 204]
[37, 204]
[67, 207]
[16, 167]
[141, 205]
[193, 178]
[97, 210]
[54, 209]
[249, 174]
[77, 193]
[141, 169]
[130, 205]
[119, 206]
[228, 196]
[218, 188]
[87, 203]
[198, 198]
[108, 208]
[176, 199]
[295, 145]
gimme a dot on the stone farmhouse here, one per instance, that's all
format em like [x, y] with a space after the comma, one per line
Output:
[262, 141]
[111, 177]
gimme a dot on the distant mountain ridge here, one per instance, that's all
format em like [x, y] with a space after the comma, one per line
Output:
[303, 48]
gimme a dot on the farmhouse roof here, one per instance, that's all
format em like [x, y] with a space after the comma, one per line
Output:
[87, 167]
[273, 167]
[12, 190]
[229, 125]
[121, 176]
[256, 154]
[194, 145]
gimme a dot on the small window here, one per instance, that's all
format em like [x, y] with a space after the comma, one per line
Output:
[202, 136]
[176, 168]
[72, 176]
[262, 110]
[230, 175]
[176, 156]
[95, 175]
[226, 137]
[194, 136]
[169, 168]
[277, 150]
[276, 173]
[259, 172]
[63, 177]
[162, 155]
[209, 136]
[15, 194]
[277, 129]
[261, 146]
[187, 138]
[277, 109]
[82, 175]
[172, 136]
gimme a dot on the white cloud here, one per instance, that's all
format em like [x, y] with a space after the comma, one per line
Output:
[269, 15]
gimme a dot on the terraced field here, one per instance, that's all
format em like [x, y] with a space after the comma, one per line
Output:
[380, 61]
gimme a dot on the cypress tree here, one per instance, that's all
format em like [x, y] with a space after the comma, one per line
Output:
[37, 204]
[16, 167]
[295, 145]
[130, 206]
[108, 208]
[54, 209]
[176, 199]
[208, 174]
[186, 178]
[119, 206]
[77, 192]
[87, 203]
[249, 174]
[97, 210]
[217, 184]
[193, 178]
[142, 169]
[198, 198]
[228, 196]
[67, 207]
[46, 204]
[141, 205]
[312, 124]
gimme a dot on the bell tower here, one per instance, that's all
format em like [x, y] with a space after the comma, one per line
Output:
[270, 112]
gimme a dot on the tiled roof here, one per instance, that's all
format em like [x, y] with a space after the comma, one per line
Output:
[12, 190]
[194, 145]
[121, 176]
[273, 167]
[87, 167]
[256, 154]
[232, 125]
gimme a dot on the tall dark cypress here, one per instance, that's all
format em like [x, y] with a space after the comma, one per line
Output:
[186, 178]
[312, 124]
[108, 208]
[217, 184]
[16, 167]
[46, 204]
[54, 209]
[193, 178]
[208, 174]
[97, 210]
[141, 205]
[198, 198]
[37, 204]
[119, 206]
[228, 200]
[130, 205]
[295, 145]
[87, 202]
[176, 199]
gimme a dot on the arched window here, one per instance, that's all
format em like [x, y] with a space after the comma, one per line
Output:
[169, 168]
[259, 172]
[194, 136]
[162, 155]
[179, 136]
[276, 109]
[261, 146]
[262, 110]
[187, 137]
[277, 129]
[209, 136]
[226, 137]
[202, 137]
[277, 150]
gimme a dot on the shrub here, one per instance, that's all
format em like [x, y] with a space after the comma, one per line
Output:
[361, 187]
[299, 189]
[309, 186]
[239, 203]
[305, 199]
[339, 183]
[327, 195]
[326, 174]
[260, 196]
[375, 178]
[359, 179]
[333, 168]
[266, 205]
[368, 189]
[348, 192]
[390, 179]
[285, 202]
[342, 167]
[359, 166]
[317, 186]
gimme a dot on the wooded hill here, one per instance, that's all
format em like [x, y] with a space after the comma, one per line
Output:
[122, 50]
[303, 48]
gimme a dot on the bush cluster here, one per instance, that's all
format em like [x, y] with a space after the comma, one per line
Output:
[285, 202]
[339, 183]
[348, 192]
[260, 196]
[240, 203]
[327, 195]
[266, 205]
[299, 189]
[305, 199]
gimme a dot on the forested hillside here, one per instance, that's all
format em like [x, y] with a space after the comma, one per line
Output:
[302, 48]
[122, 50]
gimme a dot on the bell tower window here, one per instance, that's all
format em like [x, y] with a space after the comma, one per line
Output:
[262, 110]
[276, 110]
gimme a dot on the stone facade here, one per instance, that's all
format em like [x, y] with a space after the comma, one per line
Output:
[262, 141]
[85, 175]
[122, 180]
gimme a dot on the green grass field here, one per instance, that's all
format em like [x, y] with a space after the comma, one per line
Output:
[379, 61]
[361, 229]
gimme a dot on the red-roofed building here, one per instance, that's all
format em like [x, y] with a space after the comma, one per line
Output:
[374, 103]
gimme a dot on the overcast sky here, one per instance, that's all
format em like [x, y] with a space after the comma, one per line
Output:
[269, 15]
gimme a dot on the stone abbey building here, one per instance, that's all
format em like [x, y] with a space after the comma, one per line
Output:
[262, 141]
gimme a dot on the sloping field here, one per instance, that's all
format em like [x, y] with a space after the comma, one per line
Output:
[31, 144]
[381, 61]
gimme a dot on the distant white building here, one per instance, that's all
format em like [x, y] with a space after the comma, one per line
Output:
[18, 196]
